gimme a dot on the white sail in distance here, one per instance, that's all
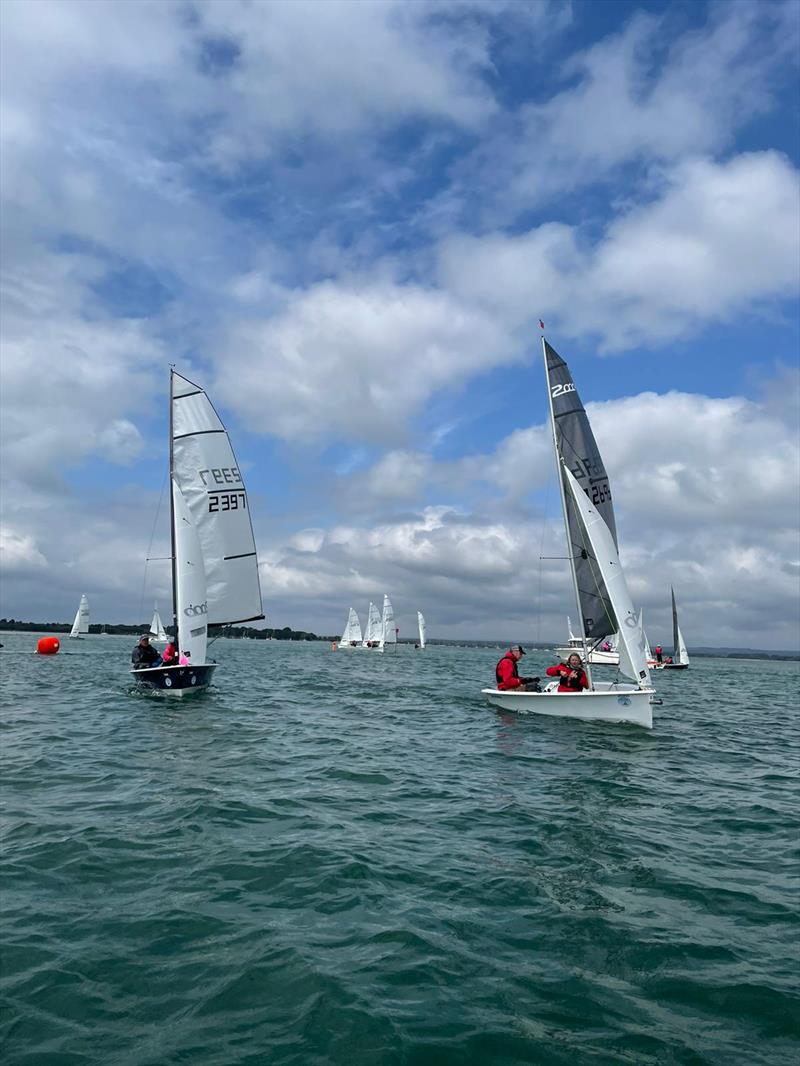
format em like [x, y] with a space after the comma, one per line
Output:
[191, 608]
[157, 631]
[679, 652]
[373, 632]
[208, 476]
[422, 629]
[352, 631]
[81, 624]
[388, 631]
[603, 549]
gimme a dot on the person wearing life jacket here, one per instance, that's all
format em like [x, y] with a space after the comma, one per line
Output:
[659, 654]
[143, 656]
[170, 654]
[572, 677]
[507, 674]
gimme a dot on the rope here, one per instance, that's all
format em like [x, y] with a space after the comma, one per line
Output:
[150, 545]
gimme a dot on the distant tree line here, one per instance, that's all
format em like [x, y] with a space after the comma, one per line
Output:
[127, 630]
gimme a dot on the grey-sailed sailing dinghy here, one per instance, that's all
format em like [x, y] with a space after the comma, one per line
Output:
[214, 563]
[604, 603]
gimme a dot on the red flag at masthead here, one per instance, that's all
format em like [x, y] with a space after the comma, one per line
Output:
[541, 324]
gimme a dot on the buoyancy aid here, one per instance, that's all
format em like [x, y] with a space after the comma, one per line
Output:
[504, 676]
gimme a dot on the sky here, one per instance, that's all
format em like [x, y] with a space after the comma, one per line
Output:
[344, 220]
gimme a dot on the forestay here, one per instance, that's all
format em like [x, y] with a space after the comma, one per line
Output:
[577, 448]
[208, 476]
[595, 537]
[352, 631]
[190, 583]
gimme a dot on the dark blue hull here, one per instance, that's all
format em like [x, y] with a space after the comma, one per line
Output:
[176, 680]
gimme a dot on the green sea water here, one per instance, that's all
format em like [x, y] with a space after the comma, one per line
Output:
[351, 859]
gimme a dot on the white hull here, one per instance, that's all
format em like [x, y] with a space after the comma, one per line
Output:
[595, 657]
[607, 702]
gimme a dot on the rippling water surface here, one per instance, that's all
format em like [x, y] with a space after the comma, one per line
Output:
[350, 858]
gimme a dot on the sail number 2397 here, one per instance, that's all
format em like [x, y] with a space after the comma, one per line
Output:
[226, 501]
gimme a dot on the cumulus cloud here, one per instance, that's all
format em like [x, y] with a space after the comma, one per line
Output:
[717, 238]
[354, 360]
[19, 553]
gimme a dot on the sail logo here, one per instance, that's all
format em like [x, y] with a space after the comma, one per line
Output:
[194, 609]
[561, 390]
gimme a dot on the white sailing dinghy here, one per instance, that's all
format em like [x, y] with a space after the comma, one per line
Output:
[80, 627]
[157, 631]
[421, 623]
[598, 654]
[604, 604]
[680, 656]
[388, 630]
[351, 637]
[214, 563]
[372, 636]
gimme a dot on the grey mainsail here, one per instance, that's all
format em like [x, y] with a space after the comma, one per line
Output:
[578, 449]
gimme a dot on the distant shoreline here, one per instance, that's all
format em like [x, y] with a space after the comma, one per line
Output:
[10, 625]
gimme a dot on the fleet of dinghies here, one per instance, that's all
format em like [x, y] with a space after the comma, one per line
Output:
[215, 568]
[380, 633]
[601, 593]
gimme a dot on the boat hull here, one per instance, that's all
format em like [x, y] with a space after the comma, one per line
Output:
[176, 680]
[672, 666]
[596, 657]
[607, 702]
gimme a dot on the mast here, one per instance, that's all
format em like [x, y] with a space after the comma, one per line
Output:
[676, 654]
[172, 516]
[559, 463]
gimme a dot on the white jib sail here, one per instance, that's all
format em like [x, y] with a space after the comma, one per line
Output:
[388, 632]
[632, 647]
[81, 623]
[352, 631]
[190, 583]
[683, 654]
[157, 630]
[210, 480]
[373, 633]
[421, 621]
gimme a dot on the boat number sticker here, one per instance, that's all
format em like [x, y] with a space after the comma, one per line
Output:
[226, 501]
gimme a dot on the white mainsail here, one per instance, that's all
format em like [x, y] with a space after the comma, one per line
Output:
[191, 608]
[352, 631]
[157, 631]
[388, 631]
[208, 476]
[603, 551]
[81, 623]
[373, 632]
[421, 622]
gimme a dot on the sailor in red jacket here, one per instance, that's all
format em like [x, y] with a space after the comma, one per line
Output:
[507, 675]
[572, 675]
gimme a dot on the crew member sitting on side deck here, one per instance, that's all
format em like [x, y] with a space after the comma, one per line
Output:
[170, 656]
[143, 655]
[508, 676]
[572, 676]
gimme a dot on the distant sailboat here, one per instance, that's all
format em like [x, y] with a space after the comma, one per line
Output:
[601, 593]
[680, 656]
[421, 623]
[598, 655]
[351, 637]
[388, 630]
[157, 631]
[372, 637]
[214, 562]
[80, 627]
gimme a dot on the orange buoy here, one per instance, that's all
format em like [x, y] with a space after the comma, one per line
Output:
[47, 646]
